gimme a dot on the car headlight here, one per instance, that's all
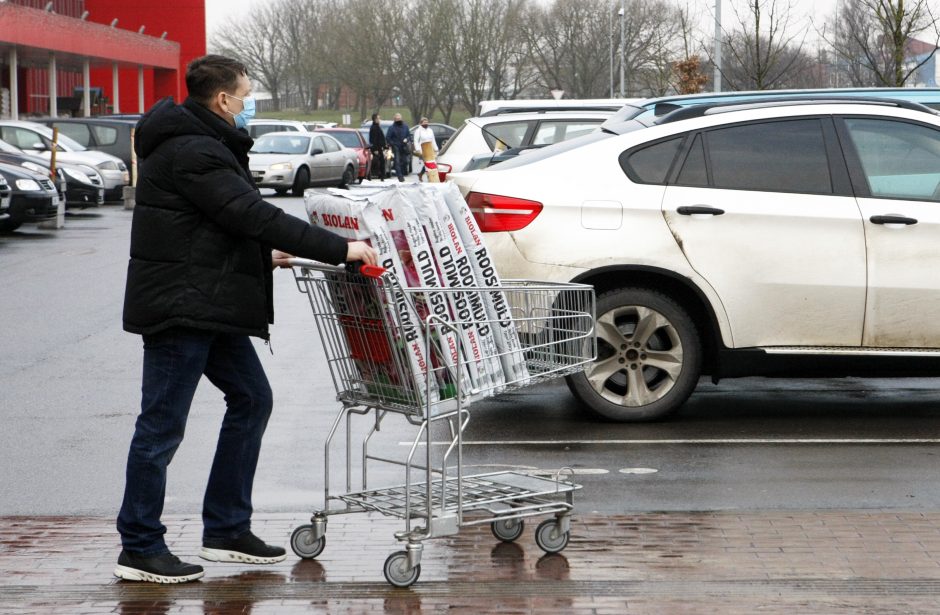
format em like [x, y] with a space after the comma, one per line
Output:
[36, 168]
[108, 165]
[281, 166]
[27, 184]
[77, 176]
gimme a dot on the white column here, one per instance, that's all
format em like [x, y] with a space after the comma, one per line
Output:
[53, 88]
[140, 89]
[86, 87]
[14, 86]
[116, 90]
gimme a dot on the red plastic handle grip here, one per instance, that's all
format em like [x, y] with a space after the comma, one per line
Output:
[372, 271]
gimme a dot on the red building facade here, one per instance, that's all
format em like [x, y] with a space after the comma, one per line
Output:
[130, 54]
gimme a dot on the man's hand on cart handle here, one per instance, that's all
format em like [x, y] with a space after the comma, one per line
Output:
[361, 251]
[356, 251]
[281, 259]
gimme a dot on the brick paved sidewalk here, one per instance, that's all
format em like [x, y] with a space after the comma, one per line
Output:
[719, 563]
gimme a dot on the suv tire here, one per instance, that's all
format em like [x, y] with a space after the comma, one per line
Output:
[640, 377]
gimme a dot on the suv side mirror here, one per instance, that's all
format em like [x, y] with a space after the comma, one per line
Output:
[39, 146]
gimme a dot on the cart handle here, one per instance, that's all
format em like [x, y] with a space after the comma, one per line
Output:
[370, 271]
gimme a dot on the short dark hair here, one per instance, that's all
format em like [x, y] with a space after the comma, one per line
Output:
[208, 75]
[375, 116]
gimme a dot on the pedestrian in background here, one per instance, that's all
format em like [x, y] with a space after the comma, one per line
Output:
[199, 284]
[377, 145]
[399, 139]
[423, 134]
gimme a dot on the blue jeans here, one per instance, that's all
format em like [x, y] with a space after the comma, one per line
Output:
[401, 157]
[174, 362]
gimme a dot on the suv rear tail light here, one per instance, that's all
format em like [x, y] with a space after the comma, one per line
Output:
[442, 170]
[495, 213]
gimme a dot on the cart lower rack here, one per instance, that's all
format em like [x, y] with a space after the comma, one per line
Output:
[424, 355]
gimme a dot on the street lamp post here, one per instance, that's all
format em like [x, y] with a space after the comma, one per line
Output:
[623, 43]
[610, 37]
[717, 76]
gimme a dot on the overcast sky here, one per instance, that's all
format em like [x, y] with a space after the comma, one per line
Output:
[218, 10]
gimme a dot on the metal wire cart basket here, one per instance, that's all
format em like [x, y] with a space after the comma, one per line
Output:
[393, 351]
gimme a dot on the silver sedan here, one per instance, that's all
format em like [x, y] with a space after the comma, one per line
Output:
[294, 161]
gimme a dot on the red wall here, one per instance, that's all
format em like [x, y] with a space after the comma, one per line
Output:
[184, 21]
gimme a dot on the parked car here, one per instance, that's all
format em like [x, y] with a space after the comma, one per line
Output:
[33, 197]
[312, 126]
[563, 104]
[4, 200]
[257, 128]
[352, 138]
[779, 238]
[112, 136]
[513, 129]
[80, 185]
[36, 139]
[292, 161]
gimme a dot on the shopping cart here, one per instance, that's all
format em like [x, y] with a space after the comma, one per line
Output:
[366, 320]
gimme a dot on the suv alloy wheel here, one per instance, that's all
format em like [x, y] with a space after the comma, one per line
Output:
[649, 357]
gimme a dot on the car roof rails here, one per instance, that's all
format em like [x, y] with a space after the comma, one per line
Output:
[508, 110]
[782, 101]
[703, 109]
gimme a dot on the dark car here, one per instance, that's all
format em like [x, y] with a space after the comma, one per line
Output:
[4, 200]
[80, 185]
[33, 198]
[110, 135]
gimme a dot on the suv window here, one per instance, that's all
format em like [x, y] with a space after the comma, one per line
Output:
[555, 131]
[780, 156]
[651, 164]
[104, 135]
[79, 132]
[900, 160]
[511, 134]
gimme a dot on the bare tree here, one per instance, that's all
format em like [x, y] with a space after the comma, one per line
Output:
[304, 25]
[484, 48]
[366, 50]
[766, 49]
[258, 42]
[565, 40]
[875, 40]
[671, 40]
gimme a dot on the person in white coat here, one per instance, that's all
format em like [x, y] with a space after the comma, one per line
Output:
[423, 134]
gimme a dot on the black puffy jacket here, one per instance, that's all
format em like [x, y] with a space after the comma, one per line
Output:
[201, 235]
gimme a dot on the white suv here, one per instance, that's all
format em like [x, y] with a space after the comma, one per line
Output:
[787, 238]
[513, 128]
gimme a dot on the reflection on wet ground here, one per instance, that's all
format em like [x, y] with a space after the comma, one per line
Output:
[726, 562]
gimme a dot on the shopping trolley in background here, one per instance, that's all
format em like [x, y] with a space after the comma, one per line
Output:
[365, 318]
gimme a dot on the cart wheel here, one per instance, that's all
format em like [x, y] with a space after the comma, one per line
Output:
[397, 571]
[304, 544]
[549, 537]
[507, 530]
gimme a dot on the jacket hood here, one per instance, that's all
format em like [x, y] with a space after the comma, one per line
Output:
[167, 120]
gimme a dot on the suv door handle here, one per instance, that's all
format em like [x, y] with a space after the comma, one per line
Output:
[691, 210]
[893, 219]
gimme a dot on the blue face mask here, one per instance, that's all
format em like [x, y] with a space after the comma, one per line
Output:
[247, 112]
